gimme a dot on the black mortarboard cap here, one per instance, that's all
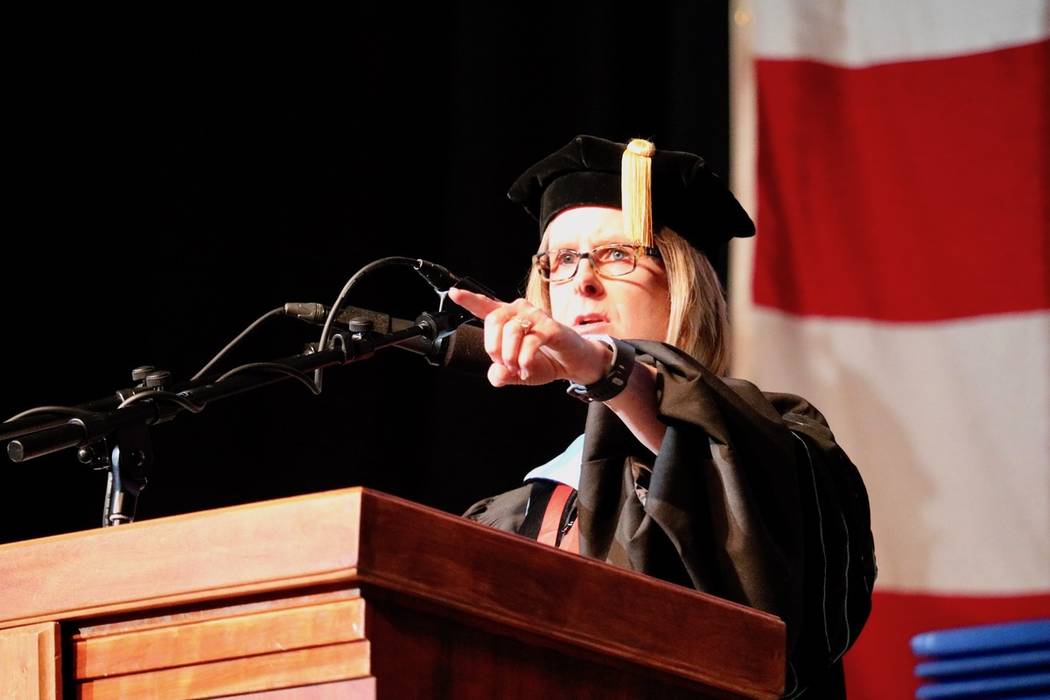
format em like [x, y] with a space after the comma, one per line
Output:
[685, 194]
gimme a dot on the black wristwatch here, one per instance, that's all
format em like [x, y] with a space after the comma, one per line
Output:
[615, 380]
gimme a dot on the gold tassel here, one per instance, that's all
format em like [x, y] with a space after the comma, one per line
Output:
[636, 170]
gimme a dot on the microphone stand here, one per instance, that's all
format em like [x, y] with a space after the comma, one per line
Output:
[122, 419]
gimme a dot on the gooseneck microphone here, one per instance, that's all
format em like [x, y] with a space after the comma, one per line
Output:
[462, 350]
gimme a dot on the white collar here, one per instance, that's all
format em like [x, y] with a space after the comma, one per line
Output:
[565, 468]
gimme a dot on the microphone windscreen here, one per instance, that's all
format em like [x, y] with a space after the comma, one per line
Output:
[465, 351]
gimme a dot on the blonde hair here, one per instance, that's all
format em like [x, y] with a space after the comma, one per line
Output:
[698, 321]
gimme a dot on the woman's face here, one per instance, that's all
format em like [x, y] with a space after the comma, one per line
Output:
[636, 306]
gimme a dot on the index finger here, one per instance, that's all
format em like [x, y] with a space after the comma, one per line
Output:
[477, 304]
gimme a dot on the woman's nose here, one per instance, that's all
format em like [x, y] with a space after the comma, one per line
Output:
[587, 282]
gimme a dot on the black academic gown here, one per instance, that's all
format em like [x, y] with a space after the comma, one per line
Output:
[750, 499]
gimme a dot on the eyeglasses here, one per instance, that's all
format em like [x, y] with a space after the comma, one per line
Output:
[615, 260]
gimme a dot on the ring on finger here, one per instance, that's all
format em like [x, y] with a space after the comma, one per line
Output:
[526, 325]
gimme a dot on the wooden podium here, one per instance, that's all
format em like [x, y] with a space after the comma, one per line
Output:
[355, 594]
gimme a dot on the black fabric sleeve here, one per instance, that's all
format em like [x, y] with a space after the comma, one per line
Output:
[760, 504]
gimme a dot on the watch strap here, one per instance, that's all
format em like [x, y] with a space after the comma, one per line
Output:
[615, 379]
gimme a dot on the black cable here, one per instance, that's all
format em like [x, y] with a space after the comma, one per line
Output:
[279, 311]
[60, 410]
[274, 367]
[370, 267]
[164, 396]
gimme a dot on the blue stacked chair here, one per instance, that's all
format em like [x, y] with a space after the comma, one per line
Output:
[987, 661]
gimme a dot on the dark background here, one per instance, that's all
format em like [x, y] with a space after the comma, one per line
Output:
[168, 184]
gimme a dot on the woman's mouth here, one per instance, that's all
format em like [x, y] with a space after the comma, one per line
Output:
[588, 321]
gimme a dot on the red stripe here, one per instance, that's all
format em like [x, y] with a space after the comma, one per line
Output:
[908, 192]
[552, 517]
[881, 664]
[571, 541]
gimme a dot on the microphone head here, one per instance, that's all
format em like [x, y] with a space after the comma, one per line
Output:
[464, 351]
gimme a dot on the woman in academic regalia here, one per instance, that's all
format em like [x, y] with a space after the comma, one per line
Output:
[682, 473]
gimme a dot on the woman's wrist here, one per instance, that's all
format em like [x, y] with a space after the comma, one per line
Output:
[596, 371]
[615, 367]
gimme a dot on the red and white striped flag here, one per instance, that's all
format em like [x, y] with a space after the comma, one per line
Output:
[898, 160]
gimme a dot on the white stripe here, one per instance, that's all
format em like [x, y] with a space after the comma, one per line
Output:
[743, 151]
[864, 32]
[949, 424]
